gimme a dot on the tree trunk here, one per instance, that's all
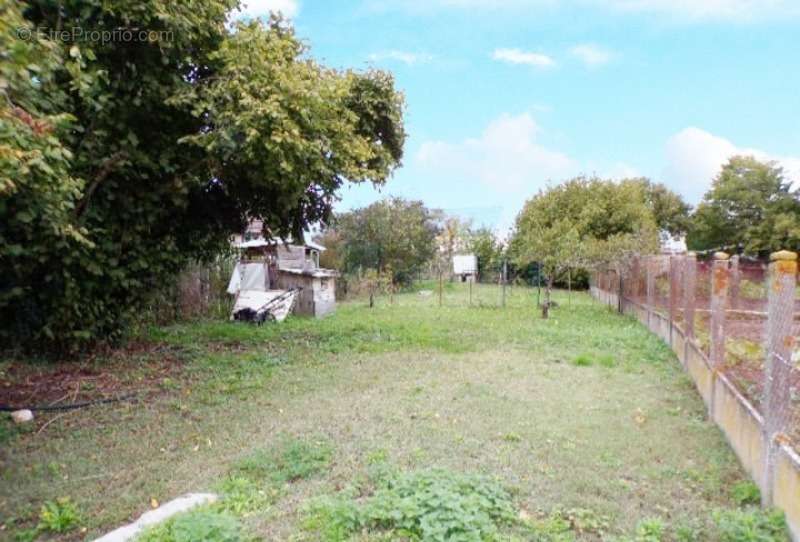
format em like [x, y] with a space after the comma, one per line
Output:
[546, 304]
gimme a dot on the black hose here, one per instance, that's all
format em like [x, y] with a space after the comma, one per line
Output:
[68, 406]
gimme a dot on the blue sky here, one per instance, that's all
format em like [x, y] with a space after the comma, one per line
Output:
[506, 97]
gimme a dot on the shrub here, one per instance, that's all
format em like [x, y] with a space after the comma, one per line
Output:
[196, 525]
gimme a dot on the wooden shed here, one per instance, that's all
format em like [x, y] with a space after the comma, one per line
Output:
[288, 265]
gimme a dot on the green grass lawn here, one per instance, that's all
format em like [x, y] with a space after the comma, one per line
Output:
[580, 427]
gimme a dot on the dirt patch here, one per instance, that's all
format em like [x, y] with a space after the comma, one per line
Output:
[138, 369]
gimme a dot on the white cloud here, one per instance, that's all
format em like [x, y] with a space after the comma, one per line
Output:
[591, 55]
[695, 157]
[251, 9]
[506, 158]
[678, 10]
[402, 56]
[741, 10]
[517, 56]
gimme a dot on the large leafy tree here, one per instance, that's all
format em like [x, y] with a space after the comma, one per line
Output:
[750, 208]
[392, 236]
[584, 222]
[670, 211]
[124, 159]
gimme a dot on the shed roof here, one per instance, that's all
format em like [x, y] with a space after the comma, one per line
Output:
[261, 242]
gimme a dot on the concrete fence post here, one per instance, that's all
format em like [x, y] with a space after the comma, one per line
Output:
[719, 300]
[649, 266]
[689, 292]
[780, 344]
[735, 280]
[689, 280]
[720, 277]
[674, 270]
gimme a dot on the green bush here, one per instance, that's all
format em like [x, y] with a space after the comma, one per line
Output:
[195, 526]
[122, 165]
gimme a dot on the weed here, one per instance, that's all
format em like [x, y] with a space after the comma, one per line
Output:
[689, 531]
[753, 525]
[583, 360]
[59, 516]
[242, 496]
[201, 524]
[422, 505]
[606, 360]
[562, 525]
[746, 492]
[650, 530]
[291, 461]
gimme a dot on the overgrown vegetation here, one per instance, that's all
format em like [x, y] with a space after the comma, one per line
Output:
[123, 161]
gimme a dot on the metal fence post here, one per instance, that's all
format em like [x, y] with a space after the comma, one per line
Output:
[689, 291]
[780, 343]
[719, 298]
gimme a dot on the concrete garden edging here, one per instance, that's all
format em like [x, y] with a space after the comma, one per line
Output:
[183, 503]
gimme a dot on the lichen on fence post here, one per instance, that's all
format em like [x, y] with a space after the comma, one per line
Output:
[689, 292]
[780, 344]
[735, 280]
[719, 300]
[674, 271]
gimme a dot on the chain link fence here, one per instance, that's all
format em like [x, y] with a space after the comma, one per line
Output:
[742, 314]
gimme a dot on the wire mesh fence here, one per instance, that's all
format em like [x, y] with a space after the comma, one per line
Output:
[742, 314]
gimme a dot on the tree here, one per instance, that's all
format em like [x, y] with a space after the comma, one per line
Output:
[394, 235]
[452, 239]
[671, 213]
[584, 222]
[749, 208]
[484, 244]
[555, 245]
[125, 159]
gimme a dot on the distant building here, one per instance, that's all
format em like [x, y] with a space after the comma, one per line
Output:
[465, 267]
[673, 245]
